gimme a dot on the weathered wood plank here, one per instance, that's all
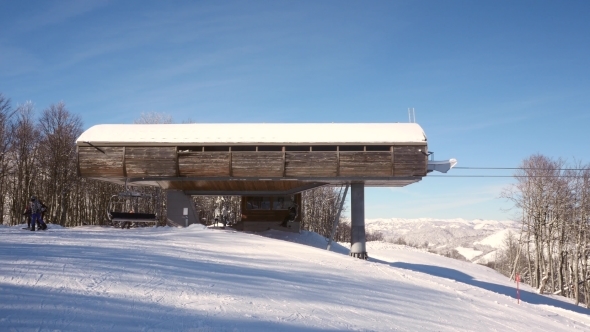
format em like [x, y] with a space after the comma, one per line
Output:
[141, 168]
[409, 161]
[93, 163]
[252, 186]
[253, 164]
[150, 152]
[204, 164]
[371, 164]
[150, 161]
[311, 164]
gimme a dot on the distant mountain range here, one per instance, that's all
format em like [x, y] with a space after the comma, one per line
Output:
[476, 240]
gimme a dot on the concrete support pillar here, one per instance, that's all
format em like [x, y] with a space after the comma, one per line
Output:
[357, 213]
[180, 209]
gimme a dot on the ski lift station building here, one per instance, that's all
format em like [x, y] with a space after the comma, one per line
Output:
[258, 162]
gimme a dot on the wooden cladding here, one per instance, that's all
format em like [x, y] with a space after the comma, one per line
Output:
[409, 160]
[236, 186]
[150, 161]
[204, 164]
[260, 164]
[311, 164]
[365, 164]
[399, 161]
[104, 163]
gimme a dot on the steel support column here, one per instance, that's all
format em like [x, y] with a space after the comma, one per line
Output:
[357, 213]
[180, 208]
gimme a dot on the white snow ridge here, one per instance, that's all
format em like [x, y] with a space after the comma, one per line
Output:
[476, 240]
[199, 279]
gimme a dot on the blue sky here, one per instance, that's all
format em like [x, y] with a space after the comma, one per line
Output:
[492, 82]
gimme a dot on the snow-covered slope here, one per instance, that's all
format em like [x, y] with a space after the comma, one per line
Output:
[477, 240]
[198, 279]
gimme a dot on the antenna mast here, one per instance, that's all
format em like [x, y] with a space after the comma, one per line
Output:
[411, 115]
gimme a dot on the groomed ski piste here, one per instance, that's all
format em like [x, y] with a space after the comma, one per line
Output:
[200, 279]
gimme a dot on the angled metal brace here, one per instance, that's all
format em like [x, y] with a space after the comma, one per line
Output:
[96, 147]
[337, 219]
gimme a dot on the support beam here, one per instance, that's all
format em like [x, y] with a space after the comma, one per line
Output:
[357, 213]
[180, 209]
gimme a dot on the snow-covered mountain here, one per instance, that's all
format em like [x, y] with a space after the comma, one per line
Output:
[476, 240]
[197, 279]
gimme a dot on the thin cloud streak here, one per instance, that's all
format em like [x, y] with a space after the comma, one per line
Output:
[58, 12]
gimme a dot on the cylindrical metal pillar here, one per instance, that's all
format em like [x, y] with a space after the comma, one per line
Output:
[357, 213]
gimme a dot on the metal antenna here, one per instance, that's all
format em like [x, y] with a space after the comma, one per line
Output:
[411, 115]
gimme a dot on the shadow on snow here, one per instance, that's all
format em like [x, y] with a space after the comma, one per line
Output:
[526, 296]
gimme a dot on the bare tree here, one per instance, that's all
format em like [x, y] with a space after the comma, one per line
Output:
[319, 208]
[6, 115]
[24, 155]
[59, 129]
[154, 118]
[554, 201]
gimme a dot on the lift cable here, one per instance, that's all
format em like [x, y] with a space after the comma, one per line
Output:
[513, 168]
[505, 176]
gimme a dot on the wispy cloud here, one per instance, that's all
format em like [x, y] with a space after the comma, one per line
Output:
[57, 12]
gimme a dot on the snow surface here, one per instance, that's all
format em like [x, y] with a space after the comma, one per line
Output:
[198, 279]
[469, 253]
[253, 133]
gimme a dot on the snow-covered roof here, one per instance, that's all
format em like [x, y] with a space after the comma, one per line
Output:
[254, 133]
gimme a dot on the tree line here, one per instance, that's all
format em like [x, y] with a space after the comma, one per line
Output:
[38, 158]
[552, 250]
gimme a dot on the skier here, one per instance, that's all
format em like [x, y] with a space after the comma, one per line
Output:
[291, 216]
[43, 210]
[224, 216]
[36, 214]
[216, 214]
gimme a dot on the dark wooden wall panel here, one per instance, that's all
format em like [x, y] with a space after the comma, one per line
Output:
[253, 186]
[150, 161]
[311, 164]
[204, 164]
[254, 164]
[361, 164]
[409, 161]
[94, 163]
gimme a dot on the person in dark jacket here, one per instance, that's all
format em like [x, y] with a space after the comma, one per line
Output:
[36, 208]
[43, 210]
[291, 215]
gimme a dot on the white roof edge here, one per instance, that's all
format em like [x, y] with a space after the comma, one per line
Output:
[254, 133]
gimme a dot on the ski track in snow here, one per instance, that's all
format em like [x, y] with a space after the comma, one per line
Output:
[198, 279]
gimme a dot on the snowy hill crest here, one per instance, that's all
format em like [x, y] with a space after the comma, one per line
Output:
[476, 240]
